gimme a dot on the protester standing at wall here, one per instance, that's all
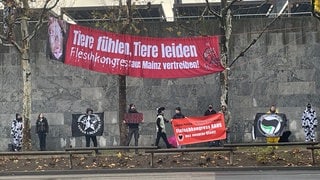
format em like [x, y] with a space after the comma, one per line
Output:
[42, 128]
[309, 123]
[161, 129]
[208, 112]
[273, 110]
[89, 117]
[178, 115]
[227, 120]
[133, 128]
[16, 132]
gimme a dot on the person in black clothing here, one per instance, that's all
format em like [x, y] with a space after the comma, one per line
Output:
[90, 117]
[161, 131]
[178, 114]
[133, 128]
[42, 128]
[210, 110]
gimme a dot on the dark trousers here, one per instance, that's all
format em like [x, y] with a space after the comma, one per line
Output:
[133, 132]
[162, 135]
[42, 140]
[94, 140]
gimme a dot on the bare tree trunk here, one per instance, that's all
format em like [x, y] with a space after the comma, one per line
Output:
[22, 13]
[225, 30]
[122, 108]
[26, 75]
[122, 81]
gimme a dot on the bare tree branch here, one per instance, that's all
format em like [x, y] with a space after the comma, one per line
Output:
[120, 10]
[129, 17]
[191, 30]
[45, 9]
[12, 42]
[254, 40]
[129, 11]
[204, 11]
[229, 6]
[249, 8]
[212, 11]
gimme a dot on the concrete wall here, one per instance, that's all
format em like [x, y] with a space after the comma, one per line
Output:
[282, 68]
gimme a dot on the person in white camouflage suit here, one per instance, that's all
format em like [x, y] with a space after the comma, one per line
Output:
[16, 132]
[309, 123]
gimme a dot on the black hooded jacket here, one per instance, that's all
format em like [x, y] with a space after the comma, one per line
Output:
[208, 112]
[178, 116]
[42, 126]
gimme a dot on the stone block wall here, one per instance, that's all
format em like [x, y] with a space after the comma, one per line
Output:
[282, 68]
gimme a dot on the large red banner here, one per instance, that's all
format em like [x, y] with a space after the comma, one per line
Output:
[145, 57]
[191, 130]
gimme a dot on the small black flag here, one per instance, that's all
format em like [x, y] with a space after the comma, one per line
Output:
[269, 125]
[83, 124]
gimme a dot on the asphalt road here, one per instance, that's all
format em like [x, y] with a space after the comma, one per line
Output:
[203, 175]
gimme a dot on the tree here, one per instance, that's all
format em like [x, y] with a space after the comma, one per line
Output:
[128, 27]
[120, 20]
[225, 19]
[225, 30]
[19, 11]
[122, 80]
